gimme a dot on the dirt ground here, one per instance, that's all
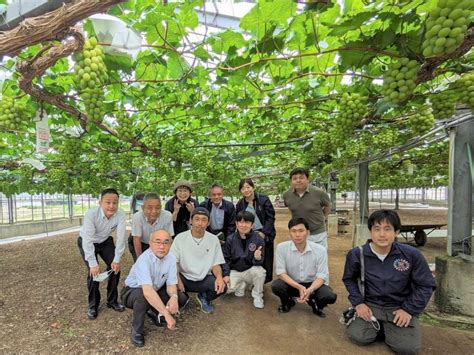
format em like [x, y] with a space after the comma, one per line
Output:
[43, 309]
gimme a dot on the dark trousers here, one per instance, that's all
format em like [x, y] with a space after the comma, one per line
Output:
[322, 296]
[207, 286]
[133, 298]
[132, 248]
[268, 261]
[106, 250]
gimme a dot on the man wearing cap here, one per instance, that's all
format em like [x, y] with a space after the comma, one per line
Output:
[149, 219]
[150, 287]
[221, 211]
[199, 257]
[308, 202]
[181, 205]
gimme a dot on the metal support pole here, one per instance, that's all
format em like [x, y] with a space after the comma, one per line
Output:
[461, 190]
[10, 209]
[363, 179]
[70, 206]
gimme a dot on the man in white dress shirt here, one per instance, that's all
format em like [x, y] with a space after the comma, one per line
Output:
[149, 219]
[150, 287]
[302, 269]
[96, 239]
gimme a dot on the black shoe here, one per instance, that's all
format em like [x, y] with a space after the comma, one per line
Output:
[319, 312]
[286, 307]
[138, 340]
[116, 306]
[92, 313]
[159, 321]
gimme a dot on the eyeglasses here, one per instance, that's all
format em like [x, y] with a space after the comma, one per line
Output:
[159, 242]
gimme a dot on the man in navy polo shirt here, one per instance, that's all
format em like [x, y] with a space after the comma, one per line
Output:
[398, 285]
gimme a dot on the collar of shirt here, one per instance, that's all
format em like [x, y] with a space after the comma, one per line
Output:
[156, 259]
[156, 220]
[213, 205]
[102, 214]
[307, 249]
[305, 191]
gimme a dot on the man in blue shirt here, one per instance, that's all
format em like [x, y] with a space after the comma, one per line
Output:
[398, 285]
[221, 212]
[152, 284]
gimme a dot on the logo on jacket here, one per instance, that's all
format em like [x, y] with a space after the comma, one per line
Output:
[252, 246]
[401, 265]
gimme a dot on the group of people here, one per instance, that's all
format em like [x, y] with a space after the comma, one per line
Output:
[215, 248]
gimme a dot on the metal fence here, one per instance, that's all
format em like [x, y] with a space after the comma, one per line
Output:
[29, 208]
[423, 195]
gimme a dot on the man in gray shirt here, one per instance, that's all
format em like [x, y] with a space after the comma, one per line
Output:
[95, 239]
[149, 219]
[302, 269]
[308, 202]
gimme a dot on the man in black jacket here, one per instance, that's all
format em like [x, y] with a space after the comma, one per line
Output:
[398, 285]
[244, 254]
[222, 212]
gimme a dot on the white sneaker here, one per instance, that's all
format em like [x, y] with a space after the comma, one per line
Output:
[240, 292]
[258, 302]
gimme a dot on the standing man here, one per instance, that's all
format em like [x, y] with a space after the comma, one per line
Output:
[398, 285]
[244, 255]
[149, 219]
[221, 212]
[95, 239]
[199, 257]
[308, 202]
[151, 284]
[302, 269]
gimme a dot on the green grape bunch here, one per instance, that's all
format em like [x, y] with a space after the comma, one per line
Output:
[399, 80]
[11, 114]
[125, 125]
[386, 138]
[444, 104]
[352, 108]
[465, 87]
[445, 27]
[90, 75]
[71, 151]
[421, 121]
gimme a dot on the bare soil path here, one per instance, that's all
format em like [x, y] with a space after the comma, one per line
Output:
[43, 305]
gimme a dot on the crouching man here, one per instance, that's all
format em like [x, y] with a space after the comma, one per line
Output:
[151, 287]
[243, 253]
[302, 269]
[398, 284]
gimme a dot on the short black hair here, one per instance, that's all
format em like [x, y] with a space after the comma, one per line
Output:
[297, 171]
[245, 181]
[298, 220]
[245, 216]
[109, 191]
[389, 216]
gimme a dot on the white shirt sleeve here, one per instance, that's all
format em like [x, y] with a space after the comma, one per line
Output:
[143, 272]
[87, 233]
[218, 256]
[322, 270]
[175, 249]
[120, 247]
[172, 274]
[137, 229]
[280, 260]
